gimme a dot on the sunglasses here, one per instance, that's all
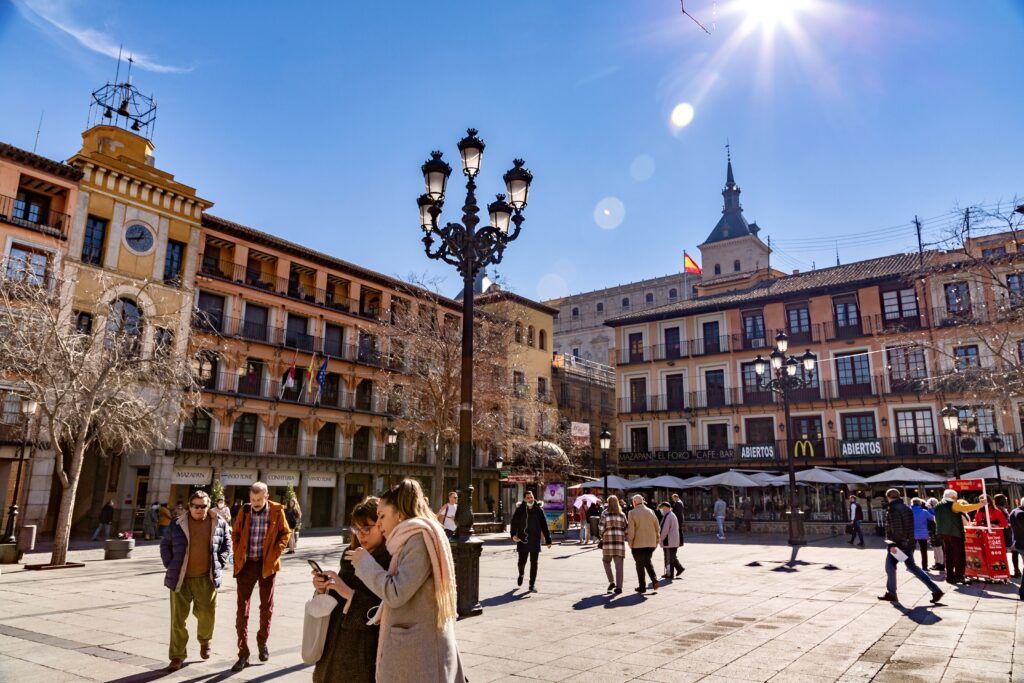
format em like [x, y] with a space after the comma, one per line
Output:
[198, 507]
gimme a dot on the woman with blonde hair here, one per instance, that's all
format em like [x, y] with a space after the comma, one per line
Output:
[350, 649]
[417, 591]
[612, 532]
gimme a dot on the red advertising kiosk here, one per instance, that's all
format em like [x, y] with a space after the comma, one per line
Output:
[984, 545]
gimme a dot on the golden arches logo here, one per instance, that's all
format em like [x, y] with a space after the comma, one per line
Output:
[803, 448]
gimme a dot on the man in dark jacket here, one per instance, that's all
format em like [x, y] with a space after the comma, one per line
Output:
[194, 550]
[1017, 530]
[856, 517]
[899, 535]
[528, 525]
[677, 508]
[106, 521]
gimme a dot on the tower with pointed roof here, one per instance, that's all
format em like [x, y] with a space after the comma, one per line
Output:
[733, 247]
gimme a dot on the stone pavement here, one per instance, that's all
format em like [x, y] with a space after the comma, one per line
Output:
[741, 612]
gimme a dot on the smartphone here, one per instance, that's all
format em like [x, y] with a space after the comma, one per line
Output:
[315, 566]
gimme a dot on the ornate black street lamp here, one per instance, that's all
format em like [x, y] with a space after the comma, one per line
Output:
[606, 443]
[469, 249]
[499, 462]
[28, 410]
[951, 421]
[785, 380]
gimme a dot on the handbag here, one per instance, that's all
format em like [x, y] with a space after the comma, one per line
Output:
[315, 620]
[849, 529]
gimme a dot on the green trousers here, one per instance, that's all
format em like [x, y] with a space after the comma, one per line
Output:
[199, 595]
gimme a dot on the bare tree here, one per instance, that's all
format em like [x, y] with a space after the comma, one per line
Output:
[120, 386]
[424, 340]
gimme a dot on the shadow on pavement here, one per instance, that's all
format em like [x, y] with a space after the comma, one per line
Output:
[626, 601]
[504, 599]
[591, 601]
[919, 615]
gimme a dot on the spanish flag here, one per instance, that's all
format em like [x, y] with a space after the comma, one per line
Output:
[689, 265]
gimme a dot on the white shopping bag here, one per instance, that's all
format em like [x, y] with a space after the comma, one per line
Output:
[316, 617]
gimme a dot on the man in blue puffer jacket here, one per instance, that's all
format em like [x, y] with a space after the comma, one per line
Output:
[194, 550]
[922, 516]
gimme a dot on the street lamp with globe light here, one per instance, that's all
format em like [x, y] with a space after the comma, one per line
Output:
[28, 410]
[605, 440]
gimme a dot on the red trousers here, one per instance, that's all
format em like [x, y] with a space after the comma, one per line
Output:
[247, 579]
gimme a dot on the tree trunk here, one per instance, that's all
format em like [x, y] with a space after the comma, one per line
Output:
[62, 533]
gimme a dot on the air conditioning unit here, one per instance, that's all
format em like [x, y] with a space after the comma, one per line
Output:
[972, 443]
[925, 448]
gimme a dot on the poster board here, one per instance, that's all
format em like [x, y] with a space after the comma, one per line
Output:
[984, 544]
[554, 506]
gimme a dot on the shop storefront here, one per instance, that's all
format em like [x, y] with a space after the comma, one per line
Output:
[236, 484]
[320, 508]
[278, 483]
[185, 480]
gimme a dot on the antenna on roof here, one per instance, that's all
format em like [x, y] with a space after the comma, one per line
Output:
[837, 253]
[38, 128]
[117, 73]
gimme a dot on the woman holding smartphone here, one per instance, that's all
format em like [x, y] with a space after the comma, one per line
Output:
[418, 609]
[350, 650]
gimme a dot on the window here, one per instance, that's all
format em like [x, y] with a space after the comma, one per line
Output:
[808, 428]
[326, 440]
[364, 395]
[331, 393]
[994, 252]
[1015, 288]
[714, 383]
[958, 298]
[172, 262]
[518, 420]
[542, 340]
[576, 313]
[638, 442]
[675, 392]
[966, 357]
[673, 345]
[858, 426]
[92, 245]
[255, 324]
[519, 333]
[83, 322]
[798, 322]
[211, 260]
[206, 367]
[576, 352]
[853, 373]
[250, 380]
[718, 436]
[625, 302]
[600, 307]
[361, 444]
[296, 333]
[196, 431]
[649, 298]
[529, 336]
[366, 348]
[899, 304]
[125, 325]
[753, 392]
[542, 388]
[29, 266]
[32, 207]
[163, 340]
[542, 424]
[636, 347]
[393, 452]
[10, 409]
[915, 428]
[334, 341]
[519, 383]
[977, 419]
[907, 369]
[736, 266]
[677, 438]
[718, 269]
[243, 434]
[564, 394]
[673, 293]
[753, 330]
[847, 315]
[288, 437]
[760, 430]
[637, 394]
[209, 312]
[712, 340]
[693, 292]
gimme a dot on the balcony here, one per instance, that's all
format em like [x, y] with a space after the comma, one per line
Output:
[674, 351]
[834, 330]
[706, 346]
[47, 221]
[966, 314]
[632, 356]
[742, 341]
[896, 324]
[863, 386]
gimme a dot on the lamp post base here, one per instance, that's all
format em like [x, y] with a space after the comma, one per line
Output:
[796, 529]
[466, 554]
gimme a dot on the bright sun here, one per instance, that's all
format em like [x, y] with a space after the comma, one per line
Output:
[768, 14]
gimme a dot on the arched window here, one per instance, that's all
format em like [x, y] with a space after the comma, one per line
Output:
[196, 432]
[125, 323]
[288, 437]
[326, 439]
[736, 266]
[529, 335]
[542, 340]
[649, 298]
[361, 444]
[243, 434]
[672, 293]
[575, 312]
[600, 307]
[718, 269]
[625, 302]
[519, 333]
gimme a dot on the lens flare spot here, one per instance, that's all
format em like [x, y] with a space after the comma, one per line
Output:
[642, 167]
[682, 115]
[552, 286]
[609, 212]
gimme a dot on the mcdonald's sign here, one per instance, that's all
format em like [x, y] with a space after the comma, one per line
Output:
[804, 448]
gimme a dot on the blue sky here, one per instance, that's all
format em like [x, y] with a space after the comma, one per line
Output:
[843, 118]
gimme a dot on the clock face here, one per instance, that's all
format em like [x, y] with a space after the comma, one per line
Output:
[139, 238]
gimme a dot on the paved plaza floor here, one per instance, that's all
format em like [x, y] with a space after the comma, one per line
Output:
[743, 611]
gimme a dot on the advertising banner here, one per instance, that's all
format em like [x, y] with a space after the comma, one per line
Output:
[960, 485]
[554, 506]
[193, 476]
[238, 477]
[986, 554]
[580, 433]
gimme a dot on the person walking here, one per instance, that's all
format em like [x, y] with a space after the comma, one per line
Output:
[677, 508]
[671, 538]
[151, 521]
[165, 518]
[1017, 531]
[106, 521]
[446, 514]
[194, 551]
[259, 536]
[223, 510]
[748, 514]
[719, 513]
[933, 537]
[922, 516]
[612, 532]
[418, 602]
[949, 524]
[899, 535]
[527, 527]
[594, 519]
[856, 517]
[293, 515]
[643, 534]
[350, 647]
[582, 512]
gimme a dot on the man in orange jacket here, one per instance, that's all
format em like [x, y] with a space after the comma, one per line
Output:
[259, 536]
